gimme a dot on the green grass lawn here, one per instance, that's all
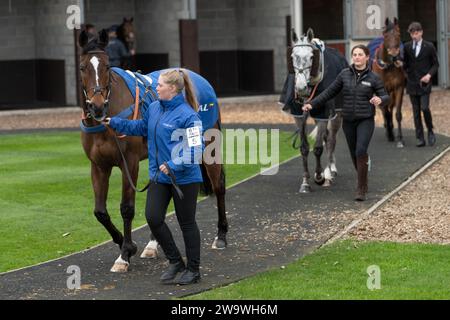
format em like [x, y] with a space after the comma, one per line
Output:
[338, 271]
[45, 193]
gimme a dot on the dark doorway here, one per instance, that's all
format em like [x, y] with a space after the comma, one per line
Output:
[320, 15]
[423, 12]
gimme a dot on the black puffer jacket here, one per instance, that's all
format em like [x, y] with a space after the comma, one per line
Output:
[357, 91]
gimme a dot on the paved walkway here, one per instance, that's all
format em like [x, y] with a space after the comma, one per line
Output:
[271, 224]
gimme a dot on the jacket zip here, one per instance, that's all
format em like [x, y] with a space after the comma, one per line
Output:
[156, 145]
[363, 75]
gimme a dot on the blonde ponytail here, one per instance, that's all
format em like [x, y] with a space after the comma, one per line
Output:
[181, 80]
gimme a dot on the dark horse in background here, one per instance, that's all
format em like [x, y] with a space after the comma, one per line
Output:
[126, 34]
[314, 68]
[387, 64]
[107, 94]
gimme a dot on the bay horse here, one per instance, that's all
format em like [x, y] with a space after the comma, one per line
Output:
[107, 95]
[315, 68]
[387, 64]
[127, 35]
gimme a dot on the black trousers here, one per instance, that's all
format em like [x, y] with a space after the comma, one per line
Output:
[158, 199]
[421, 104]
[358, 134]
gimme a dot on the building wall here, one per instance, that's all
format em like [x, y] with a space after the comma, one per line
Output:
[157, 27]
[17, 31]
[36, 49]
[360, 17]
[54, 41]
[105, 13]
[262, 26]
[240, 31]
[217, 24]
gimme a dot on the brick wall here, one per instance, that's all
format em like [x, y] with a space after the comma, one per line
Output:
[55, 41]
[17, 31]
[157, 29]
[262, 25]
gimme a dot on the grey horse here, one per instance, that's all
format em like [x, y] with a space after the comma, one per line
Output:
[314, 67]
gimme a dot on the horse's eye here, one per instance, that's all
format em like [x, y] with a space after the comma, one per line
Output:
[82, 67]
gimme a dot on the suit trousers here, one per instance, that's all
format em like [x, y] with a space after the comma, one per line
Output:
[421, 104]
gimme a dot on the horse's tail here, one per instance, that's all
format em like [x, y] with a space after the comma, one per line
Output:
[206, 187]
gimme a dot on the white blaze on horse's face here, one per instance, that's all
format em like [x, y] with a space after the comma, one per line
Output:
[95, 62]
[302, 54]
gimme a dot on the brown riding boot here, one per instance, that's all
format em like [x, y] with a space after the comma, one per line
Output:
[362, 166]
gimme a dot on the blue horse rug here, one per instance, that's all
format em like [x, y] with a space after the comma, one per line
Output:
[208, 109]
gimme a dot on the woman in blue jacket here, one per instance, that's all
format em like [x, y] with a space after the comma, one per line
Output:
[175, 146]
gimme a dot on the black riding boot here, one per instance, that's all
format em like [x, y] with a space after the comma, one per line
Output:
[363, 167]
[172, 271]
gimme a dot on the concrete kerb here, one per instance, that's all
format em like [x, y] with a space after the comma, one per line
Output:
[75, 109]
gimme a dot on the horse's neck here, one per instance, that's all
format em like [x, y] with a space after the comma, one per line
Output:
[121, 97]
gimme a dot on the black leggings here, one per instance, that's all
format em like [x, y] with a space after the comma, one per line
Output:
[158, 199]
[358, 134]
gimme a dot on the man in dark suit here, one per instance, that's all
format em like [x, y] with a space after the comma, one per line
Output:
[421, 64]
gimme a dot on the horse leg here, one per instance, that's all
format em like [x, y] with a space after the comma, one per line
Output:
[127, 212]
[100, 178]
[388, 120]
[333, 128]
[398, 116]
[216, 177]
[318, 150]
[304, 150]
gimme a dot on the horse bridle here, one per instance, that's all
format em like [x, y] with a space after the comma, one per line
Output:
[302, 70]
[90, 113]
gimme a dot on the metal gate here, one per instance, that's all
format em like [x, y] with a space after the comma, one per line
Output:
[443, 36]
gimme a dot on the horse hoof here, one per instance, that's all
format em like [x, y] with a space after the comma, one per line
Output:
[120, 266]
[149, 253]
[151, 250]
[219, 244]
[305, 188]
[327, 183]
[400, 144]
[334, 174]
[320, 181]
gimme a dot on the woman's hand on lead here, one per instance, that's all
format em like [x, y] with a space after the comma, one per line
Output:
[306, 107]
[106, 121]
[375, 101]
[164, 169]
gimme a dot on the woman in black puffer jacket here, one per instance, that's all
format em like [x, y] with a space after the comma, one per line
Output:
[362, 90]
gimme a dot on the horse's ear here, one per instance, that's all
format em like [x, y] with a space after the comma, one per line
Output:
[387, 22]
[83, 38]
[103, 38]
[124, 19]
[395, 21]
[294, 36]
[310, 34]
[131, 19]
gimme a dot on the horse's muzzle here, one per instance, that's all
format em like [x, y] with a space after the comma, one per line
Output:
[98, 113]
